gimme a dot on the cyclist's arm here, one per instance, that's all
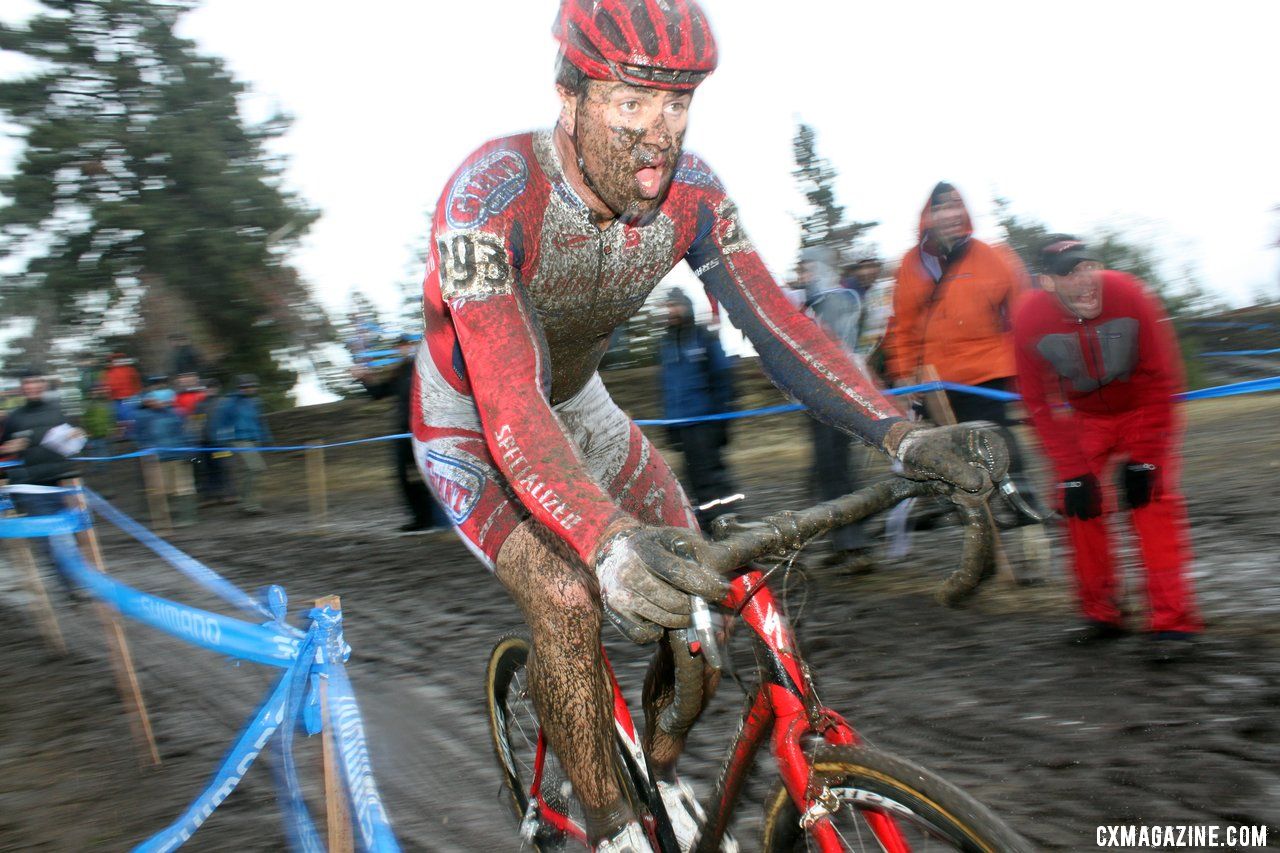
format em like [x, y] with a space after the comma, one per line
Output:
[509, 374]
[798, 356]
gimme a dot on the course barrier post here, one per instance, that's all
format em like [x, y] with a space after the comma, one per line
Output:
[20, 551]
[341, 836]
[157, 499]
[317, 490]
[121, 659]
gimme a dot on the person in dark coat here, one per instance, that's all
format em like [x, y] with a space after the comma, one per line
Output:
[22, 436]
[424, 512]
[697, 380]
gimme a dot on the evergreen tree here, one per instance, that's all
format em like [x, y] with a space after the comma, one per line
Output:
[824, 224]
[142, 202]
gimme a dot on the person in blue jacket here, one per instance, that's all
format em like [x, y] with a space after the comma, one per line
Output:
[240, 424]
[157, 425]
[697, 380]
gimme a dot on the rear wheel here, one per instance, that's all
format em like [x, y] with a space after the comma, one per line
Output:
[868, 785]
[514, 726]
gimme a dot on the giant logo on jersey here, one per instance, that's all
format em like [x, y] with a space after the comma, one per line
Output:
[486, 188]
[457, 485]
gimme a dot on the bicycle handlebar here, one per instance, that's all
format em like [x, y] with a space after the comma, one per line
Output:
[735, 546]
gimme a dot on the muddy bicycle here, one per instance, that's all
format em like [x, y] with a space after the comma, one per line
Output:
[835, 793]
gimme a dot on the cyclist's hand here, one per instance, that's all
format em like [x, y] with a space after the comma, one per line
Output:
[646, 575]
[1140, 483]
[970, 456]
[1081, 497]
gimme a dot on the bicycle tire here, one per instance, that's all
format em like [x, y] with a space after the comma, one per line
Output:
[506, 662]
[875, 781]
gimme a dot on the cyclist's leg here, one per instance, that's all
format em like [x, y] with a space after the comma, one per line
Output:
[567, 679]
[639, 479]
[560, 604]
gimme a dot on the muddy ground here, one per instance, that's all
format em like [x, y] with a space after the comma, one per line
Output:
[1057, 740]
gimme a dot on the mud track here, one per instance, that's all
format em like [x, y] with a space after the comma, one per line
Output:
[1057, 740]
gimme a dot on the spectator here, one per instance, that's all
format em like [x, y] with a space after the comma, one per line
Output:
[159, 426]
[213, 474]
[697, 380]
[190, 393]
[24, 431]
[87, 377]
[1099, 341]
[122, 380]
[99, 423]
[183, 356]
[23, 435]
[840, 310]
[864, 277]
[240, 424]
[424, 512]
[952, 306]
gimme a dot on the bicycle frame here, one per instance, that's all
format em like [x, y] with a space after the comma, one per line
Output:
[783, 704]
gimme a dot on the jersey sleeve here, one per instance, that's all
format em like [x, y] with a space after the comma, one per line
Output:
[798, 356]
[504, 356]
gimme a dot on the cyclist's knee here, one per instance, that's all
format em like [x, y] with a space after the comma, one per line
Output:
[547, 582]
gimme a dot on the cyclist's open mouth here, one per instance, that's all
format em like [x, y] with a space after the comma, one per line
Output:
[650, 181]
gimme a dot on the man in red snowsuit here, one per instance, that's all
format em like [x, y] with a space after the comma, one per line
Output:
[1099, 342]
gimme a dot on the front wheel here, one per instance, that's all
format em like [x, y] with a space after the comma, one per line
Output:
[866, 788]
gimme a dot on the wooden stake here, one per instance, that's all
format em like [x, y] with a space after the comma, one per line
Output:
[118, 645]
[20, 551]
[341, 838]
[157, 500]
[317, 490]
[939, 410]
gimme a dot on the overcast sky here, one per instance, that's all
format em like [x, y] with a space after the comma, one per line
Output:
[1157, 113]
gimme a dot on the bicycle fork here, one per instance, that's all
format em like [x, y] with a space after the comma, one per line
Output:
[786, 706]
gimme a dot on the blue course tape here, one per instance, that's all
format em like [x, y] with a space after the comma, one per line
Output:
[188, 565]
[238, 639]
[1242, 352]
[1226, 324]
[1253, 386]
[990, 393]
[41, 526]
[241, 756]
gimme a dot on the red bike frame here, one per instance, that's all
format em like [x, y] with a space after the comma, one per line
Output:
[784, 703]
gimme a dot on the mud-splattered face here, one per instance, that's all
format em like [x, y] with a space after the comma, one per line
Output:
[1080, 291]
[629, 139]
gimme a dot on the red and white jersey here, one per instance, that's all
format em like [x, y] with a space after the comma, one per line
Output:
[523, 291]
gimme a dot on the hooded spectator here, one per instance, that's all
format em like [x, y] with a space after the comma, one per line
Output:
[953, 305]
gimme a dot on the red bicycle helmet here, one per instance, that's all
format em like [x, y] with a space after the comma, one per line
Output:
[660, 44]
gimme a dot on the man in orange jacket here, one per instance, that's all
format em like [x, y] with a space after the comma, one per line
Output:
[952, 307]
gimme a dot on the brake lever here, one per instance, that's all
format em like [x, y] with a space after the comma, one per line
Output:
[701, 635]
[1009, 491]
